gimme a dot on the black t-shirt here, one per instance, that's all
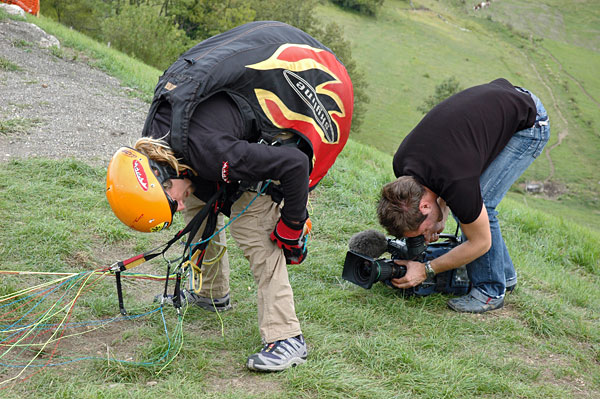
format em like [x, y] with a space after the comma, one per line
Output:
[221, 152]
[457, 140]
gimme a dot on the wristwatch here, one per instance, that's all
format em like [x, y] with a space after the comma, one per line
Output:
[429, 270]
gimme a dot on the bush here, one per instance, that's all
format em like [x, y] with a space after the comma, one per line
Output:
[82, 15]
[444, 90]
[141, 32]
[367, 7]
[201, 19]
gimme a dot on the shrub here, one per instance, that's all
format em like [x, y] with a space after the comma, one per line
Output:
[444, 90]
[141, 32]
[367, 7]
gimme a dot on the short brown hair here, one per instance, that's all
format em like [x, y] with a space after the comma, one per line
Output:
[398, 209]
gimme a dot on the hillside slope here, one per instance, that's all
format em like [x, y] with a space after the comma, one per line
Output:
[406, 51]
[367, 344]
[54, 104]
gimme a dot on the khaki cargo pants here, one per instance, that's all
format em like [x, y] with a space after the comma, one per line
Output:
[251, 230]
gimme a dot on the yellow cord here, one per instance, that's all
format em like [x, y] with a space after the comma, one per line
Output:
[25, 291]
[196, 274]
[218, 257]
[41, 321]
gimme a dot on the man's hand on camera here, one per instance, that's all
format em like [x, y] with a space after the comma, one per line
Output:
[415, 274]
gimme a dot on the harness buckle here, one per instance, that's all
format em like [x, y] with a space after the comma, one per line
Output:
[254, 186]
[195, 276]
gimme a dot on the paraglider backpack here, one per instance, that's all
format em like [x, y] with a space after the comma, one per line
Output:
[282, 80]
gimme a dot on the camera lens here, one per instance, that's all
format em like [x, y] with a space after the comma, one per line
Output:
[390, 270]
[364, 272]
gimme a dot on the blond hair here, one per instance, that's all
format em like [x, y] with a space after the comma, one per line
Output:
[159, 151]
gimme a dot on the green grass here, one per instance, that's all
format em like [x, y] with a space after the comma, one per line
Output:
[576, 24]
[363, 344]
[6, 65]
[17, 125]
[22, 44]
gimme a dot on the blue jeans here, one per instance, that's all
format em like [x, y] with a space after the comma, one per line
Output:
[491, 273]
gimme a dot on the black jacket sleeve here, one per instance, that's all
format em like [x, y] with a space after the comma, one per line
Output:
[220, 153]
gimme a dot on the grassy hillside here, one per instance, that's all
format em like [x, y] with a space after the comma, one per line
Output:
[370, 344]
[549, 48]
[363, 344]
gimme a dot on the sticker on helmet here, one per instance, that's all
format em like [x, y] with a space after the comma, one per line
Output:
[159, 227]
[140, 174]
[128, 152]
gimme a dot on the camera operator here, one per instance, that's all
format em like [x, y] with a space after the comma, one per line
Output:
[463, 156]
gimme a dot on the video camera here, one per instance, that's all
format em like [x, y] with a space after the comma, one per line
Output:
[364, 267]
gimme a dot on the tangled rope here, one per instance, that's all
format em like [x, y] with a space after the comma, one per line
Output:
[36, 321]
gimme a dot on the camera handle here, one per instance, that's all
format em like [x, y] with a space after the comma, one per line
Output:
[449, 237]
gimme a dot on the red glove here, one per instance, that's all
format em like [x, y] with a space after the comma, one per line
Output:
[291, 237]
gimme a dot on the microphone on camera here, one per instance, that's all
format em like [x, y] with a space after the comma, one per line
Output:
[371, 243]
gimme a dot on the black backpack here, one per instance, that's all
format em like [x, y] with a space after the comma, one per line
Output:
[282, 80]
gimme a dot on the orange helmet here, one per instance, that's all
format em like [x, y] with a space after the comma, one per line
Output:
[135, 192]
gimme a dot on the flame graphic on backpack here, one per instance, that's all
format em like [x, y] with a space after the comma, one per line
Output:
[324, 89]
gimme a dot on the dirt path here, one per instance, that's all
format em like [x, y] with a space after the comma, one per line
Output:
[562, 134]
[53, 104]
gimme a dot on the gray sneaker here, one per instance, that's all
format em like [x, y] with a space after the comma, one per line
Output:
[211, 304]
[279, 355]
[471, 304]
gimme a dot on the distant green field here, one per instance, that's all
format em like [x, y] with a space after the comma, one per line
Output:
[572, 22]
[406, 52]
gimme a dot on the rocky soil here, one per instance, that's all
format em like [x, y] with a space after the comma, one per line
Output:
[57, 106]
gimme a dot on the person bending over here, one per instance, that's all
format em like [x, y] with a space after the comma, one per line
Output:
[262, 111]
[463, 156]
